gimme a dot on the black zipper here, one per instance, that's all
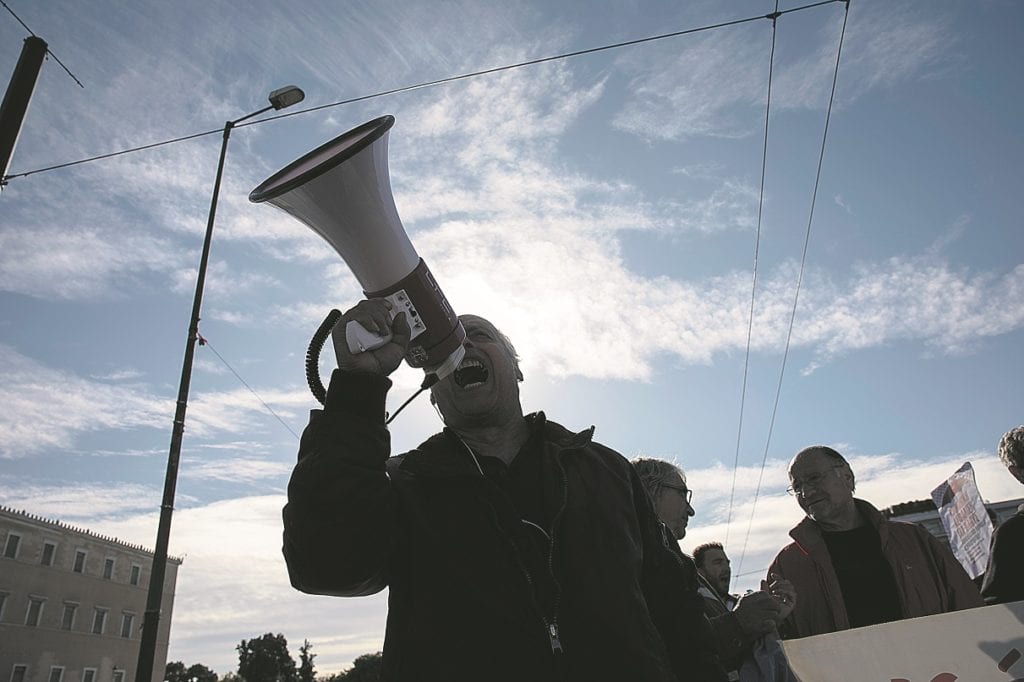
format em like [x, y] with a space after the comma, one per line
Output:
[550, 627]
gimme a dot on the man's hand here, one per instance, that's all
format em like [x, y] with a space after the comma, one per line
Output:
[374, 315]
[783, 592]
[757, 613]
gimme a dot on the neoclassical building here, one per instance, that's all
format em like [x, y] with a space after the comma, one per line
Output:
[72, 603]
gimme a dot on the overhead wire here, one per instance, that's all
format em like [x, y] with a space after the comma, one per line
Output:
[427, 84]
[753, 286]
[533, 62]
[48, 50]
[205, 342]
[799, 282]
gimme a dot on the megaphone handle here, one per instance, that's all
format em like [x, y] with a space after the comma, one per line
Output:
[360, 340]
[313, 355]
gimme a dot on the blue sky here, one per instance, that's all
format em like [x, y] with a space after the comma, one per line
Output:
[601, 210]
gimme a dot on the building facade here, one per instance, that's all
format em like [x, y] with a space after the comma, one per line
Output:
[924, 513]
[72, 603]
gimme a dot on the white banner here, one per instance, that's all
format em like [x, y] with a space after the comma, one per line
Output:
[976, 645]
[965, 518]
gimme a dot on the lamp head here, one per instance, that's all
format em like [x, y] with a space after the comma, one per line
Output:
[286, 96]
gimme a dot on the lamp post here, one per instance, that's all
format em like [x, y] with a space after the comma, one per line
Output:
[279, 99]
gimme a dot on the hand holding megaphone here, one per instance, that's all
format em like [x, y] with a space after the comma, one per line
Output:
[373, 318]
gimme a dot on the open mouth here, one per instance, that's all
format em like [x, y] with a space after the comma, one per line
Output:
[470, 374]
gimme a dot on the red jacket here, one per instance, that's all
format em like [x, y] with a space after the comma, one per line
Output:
[929, 579]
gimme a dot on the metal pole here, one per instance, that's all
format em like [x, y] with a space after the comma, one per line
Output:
[151, 618]
[18, 97]
[154, 596]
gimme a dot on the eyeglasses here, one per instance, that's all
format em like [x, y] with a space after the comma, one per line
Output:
[811, 481]
[685, 492]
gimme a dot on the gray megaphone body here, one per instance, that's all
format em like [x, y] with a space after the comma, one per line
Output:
[342, 190]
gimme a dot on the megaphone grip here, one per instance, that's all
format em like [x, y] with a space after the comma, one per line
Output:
[313, 355]
[360, 339]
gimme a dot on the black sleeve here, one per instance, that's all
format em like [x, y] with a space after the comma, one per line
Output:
[1004, 577]
[677, 609]
[340, 522]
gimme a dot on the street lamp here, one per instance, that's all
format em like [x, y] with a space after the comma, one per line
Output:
[279, 99]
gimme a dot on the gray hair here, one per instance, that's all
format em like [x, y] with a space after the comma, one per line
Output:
[833, 455]
[1011, 447]
[654, 473]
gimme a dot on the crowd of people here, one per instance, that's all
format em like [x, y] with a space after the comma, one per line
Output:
[515, 549]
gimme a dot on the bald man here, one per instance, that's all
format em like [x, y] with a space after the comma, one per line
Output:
[851, 566]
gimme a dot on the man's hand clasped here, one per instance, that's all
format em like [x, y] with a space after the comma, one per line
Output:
[374, 314]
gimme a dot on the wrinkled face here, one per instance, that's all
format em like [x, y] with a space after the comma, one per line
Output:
[823, 487]
[714, 566]
[484, 389]
[672, 506]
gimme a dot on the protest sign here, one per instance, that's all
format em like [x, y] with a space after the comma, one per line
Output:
[977, 645]
[965, 518]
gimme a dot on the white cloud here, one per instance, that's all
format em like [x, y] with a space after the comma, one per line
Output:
[711, 84]
[694, 86]
[237, 470]
[45, 408]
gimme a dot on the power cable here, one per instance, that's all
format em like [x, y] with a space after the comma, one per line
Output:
[204, 342]
[427, 84]
[753, 286]
[48, 50]
[799, 281]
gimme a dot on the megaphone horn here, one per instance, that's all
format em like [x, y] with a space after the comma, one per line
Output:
[342, 191]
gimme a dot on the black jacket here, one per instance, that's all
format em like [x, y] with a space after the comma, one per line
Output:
[1004, 577]
[462, 605]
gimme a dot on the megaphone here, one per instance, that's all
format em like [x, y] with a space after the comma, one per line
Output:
[342, 191]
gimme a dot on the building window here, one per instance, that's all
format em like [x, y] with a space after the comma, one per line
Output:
[127, 619]
[99, 619]
[89, 675]
[49, 550]
[67, 621]
[118, 676]
[108, 569]
[19, 673]
[11, 546]
[79, 561]
[3, 601]
[35, 611]
[135, 574]
[56, 673]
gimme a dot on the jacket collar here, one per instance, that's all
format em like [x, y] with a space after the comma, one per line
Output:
[445, 454]
[808, 537]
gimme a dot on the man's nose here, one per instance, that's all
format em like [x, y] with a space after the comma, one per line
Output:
[689, 510]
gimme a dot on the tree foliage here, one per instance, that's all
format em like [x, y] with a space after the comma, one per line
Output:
[307, 673]
[197, 672]
[175, 672]
[266, 659]
[366, 668]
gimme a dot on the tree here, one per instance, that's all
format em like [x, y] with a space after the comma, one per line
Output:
[307, 673]
[266, 659]
[197, 672]
[366, 668]
[175, 672]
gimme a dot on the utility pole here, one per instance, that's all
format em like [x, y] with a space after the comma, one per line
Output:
[17, 98]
